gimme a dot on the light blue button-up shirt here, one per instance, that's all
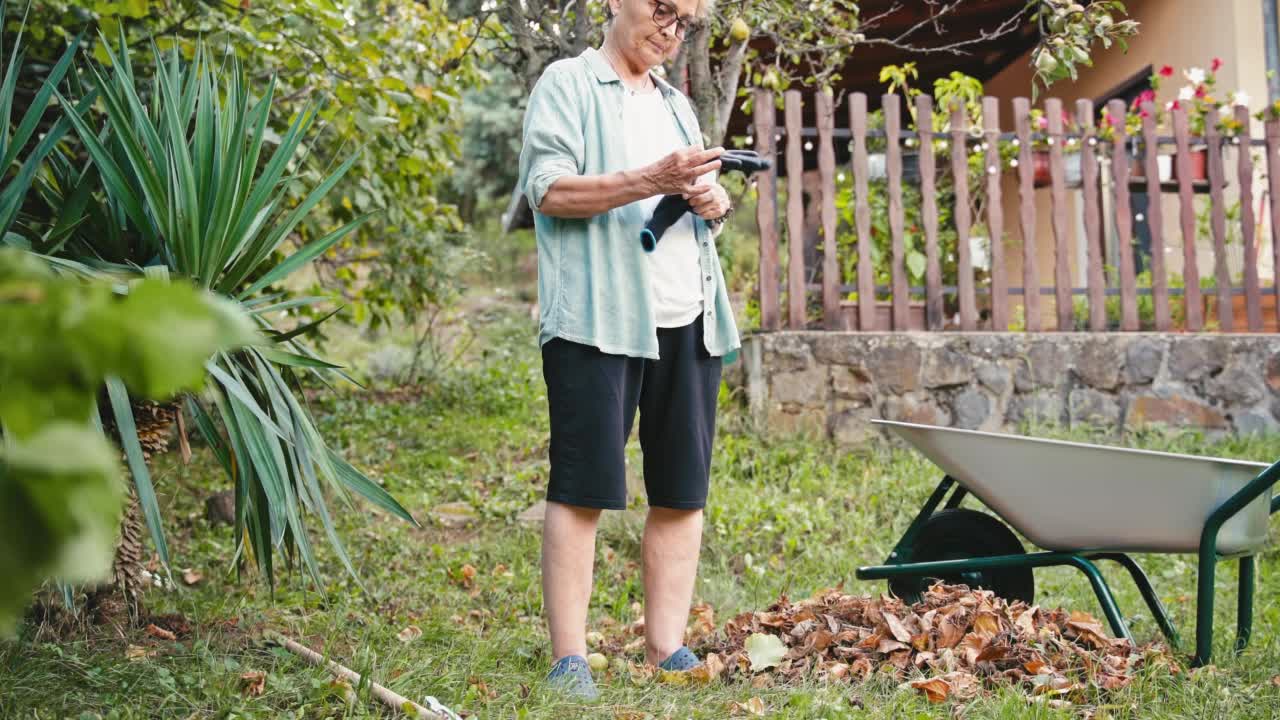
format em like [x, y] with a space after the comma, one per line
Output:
[593, 283]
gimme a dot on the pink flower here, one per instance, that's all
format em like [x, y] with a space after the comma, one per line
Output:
[1143, 97]
[1166, 71]
[1215, 65]
[1042, 122]
[1201, 92]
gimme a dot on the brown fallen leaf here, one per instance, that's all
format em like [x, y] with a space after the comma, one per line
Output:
[467, 575]
[138, 652]
[158, 632]
[896, 628]
[754, 706]
[409, 634]
[710, 669]
[253, 683]
[935, 689]
[191, 577]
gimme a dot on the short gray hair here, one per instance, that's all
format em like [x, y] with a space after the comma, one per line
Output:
[704, 9]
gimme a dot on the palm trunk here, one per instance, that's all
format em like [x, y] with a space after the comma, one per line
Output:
[121, 599]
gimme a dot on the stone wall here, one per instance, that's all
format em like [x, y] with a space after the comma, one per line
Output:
[834, 382]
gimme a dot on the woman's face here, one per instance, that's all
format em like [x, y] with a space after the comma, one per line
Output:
[639, 37]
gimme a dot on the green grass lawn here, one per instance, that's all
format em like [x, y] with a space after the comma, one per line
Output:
[787, 515]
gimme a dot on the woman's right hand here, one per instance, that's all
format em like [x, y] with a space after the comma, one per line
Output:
[678, 173]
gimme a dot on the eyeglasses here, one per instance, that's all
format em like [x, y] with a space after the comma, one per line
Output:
[665, 15]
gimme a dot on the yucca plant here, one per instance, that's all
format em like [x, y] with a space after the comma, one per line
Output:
[192, 191]
[19, 170]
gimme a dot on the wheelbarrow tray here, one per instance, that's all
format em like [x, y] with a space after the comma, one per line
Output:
[1070, 496]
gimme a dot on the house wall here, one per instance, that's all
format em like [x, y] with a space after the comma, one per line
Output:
[1181, 33]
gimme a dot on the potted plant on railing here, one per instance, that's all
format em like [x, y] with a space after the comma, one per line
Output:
[1197, 98]
[1132, 123]
[1040, 152]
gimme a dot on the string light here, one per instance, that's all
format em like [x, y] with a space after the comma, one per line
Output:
[1093, 142]
[991, 170]
[808, 145]
[1013, 162]
[840, 177]
[1017, 142]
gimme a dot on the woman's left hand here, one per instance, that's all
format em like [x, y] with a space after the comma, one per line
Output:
[712, 202]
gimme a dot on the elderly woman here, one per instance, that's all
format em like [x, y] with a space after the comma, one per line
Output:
[623, 330]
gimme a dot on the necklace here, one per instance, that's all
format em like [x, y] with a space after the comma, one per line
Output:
[633, 91]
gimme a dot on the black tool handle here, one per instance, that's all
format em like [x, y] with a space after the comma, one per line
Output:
[672, 207]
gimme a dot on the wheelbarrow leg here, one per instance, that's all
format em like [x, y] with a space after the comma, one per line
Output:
[903, 550]
[1105, 598]
[1204, 607]
[1148, 593]
[1244, 607]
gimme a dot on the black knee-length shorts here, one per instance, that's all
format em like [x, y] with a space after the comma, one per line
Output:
[593, 398]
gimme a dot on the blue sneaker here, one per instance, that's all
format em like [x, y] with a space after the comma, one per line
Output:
[571, 676]
[682, 659]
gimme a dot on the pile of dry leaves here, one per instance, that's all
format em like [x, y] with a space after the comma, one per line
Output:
[955, 642]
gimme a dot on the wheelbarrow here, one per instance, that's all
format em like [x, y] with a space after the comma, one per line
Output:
[1081, 504]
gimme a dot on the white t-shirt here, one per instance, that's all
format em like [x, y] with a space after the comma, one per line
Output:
[675, 278]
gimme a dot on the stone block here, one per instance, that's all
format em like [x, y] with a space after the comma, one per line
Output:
[1142, 361]
[970, 409]
[1099, 362]
[912, 409]
[852, 383]
[995, 378]
[1175, 411]
[895, 366]
[1251, 422]
[1237, 385]
[1043, 406]
[1092, 407]
[800, 387]
[944, 367]
[1044, 365]
[1193, 358]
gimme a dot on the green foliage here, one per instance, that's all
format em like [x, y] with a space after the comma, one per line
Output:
[383, 76]
[1069, 29]
[788, 514]
[60, 490]
[199, 187]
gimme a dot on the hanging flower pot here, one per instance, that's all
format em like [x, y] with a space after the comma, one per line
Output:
[1138, 168]
[1199, 165]
[878, 166]
[1070, 169]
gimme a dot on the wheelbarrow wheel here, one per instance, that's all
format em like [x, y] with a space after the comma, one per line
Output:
[961, 533]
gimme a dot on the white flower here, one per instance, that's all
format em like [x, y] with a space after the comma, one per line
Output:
[1186, 93]
[1195, 75]
[1224, 109]
[1240, 98]
[1168, 105]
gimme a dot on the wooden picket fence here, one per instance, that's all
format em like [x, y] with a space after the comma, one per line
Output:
[1003, 295]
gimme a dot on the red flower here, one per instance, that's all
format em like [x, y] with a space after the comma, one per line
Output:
[1217, 63]
[1166, 71]
[1201, 92]
[1143, 97]
[1177, 105]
